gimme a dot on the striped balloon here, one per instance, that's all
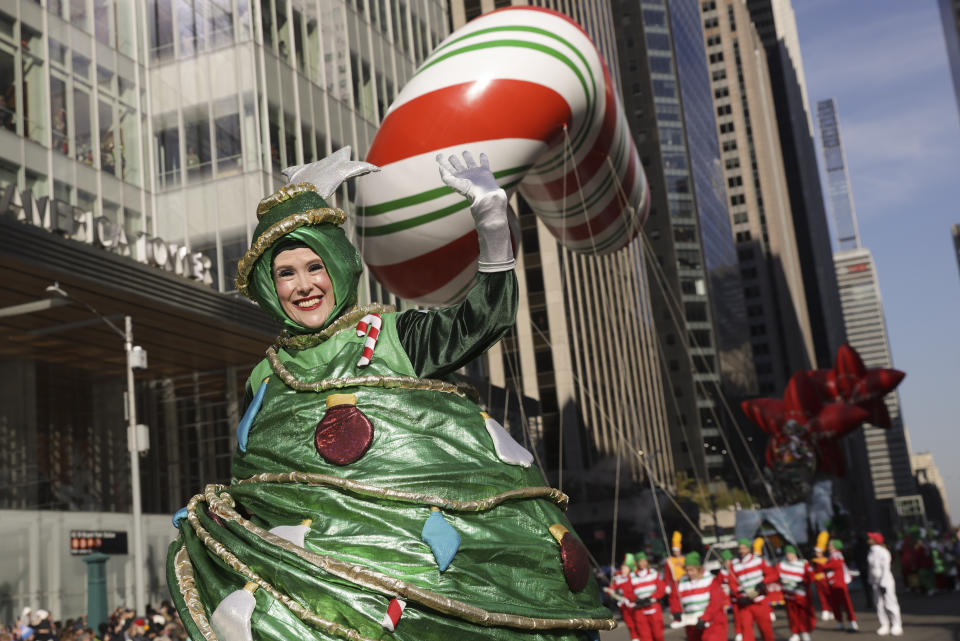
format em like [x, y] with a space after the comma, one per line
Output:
[527, 87]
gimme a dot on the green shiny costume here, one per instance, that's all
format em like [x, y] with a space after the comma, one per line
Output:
[363, 547]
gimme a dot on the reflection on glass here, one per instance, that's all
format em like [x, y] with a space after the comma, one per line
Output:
[160, 26]
[102, 18]
[108, 161]
[168, 151]
[283, 31]
[250, 129]
[81, 126]
[129, 146]
[105, 79]
[274, 127]
[220, 23]
[55, 7]
[126, 29]
[34, 85]
[227, 135]
[132, 222]
[187, 27]
[266, 16]
[78, 14]
[58, 52]
[81, 66]
[58, 119]
[290, 140]
[8, 90]
[196, 135]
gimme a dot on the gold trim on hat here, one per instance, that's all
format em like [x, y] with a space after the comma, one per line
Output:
[278, 230]
[284, 193]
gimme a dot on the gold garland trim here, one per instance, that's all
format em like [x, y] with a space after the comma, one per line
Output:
[347, 321]
[277, 230]
[223, 506]
[284, 193]
[386, 382]
[365, 489]
[183, 569]
[240, 567]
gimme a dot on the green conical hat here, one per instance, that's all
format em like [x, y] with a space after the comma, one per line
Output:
[641, 555]
[789, 550]
[743, 542]
[299, 213]
[629, 561]
[726, 555]
[692, 558]
[838, 544]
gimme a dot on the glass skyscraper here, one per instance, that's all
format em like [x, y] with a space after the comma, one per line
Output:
[838, 180]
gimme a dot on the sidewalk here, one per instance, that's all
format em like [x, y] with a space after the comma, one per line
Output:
[925, 618]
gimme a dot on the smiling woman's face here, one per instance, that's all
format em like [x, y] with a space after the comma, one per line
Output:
[303, 286]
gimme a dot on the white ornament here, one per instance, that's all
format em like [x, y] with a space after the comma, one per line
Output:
[231, 619]
[508, 450]
[293, 533]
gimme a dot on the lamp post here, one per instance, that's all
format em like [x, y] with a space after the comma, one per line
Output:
[137, 441]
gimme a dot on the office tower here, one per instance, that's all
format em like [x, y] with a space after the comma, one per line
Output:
[776, 26]
[599, 389]
[759, 204]
[881, 469]
[696, 292]
[950, 17]
[931, 487]
[136, 138]
[838, 180]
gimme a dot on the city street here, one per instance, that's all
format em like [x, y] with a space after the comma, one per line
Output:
[933, 618]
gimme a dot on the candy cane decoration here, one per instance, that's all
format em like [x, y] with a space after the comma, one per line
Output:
[373, 322]
[394, 612]
[527, 86]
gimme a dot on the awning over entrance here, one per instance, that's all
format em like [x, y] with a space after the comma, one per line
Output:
[185, 326]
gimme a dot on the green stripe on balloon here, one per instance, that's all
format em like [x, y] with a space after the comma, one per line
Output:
[416, 221]
[584, 128]
[422, 197]
[593, 81]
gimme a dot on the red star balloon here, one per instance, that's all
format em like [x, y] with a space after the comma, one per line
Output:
[851, 382]
[801, 424]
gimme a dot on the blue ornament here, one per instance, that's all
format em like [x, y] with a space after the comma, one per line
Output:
[179, 516]
[243, 429]
[443, 540]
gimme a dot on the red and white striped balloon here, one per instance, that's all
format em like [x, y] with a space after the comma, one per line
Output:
[527, 87]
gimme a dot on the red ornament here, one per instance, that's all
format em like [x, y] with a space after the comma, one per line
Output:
[345, 433]
[576, 559]
[801, 426]
[851, 382]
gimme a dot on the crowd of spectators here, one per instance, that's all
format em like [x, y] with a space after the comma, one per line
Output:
[123, 624]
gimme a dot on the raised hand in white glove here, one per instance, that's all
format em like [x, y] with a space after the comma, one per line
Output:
[488, 205]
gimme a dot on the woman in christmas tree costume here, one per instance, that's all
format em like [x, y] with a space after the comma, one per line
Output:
[367, 487]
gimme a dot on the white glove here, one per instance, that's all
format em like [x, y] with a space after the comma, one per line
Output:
[488, 205]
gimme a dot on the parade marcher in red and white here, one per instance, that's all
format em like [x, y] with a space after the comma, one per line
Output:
[698, 600]
[820, 576]
[621, 589]
[884, 587]
[838, 576]
[727, 581]
[648, 588]
[796, 577]
[751, 574]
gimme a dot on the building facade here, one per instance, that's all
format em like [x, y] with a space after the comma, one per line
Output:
[926, 473]
[600, 390]
[775, 24]
[838, 180]
[759, 204]
[135, 140]
[879, 458]
[696, 293]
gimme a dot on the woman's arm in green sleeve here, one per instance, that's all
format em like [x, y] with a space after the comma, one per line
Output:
[442, 341]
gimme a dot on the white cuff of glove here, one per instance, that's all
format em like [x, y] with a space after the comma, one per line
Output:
[493, 233]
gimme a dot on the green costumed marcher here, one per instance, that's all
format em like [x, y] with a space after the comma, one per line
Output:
[371, 498]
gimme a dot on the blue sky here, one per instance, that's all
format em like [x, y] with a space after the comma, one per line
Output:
[884, 61]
